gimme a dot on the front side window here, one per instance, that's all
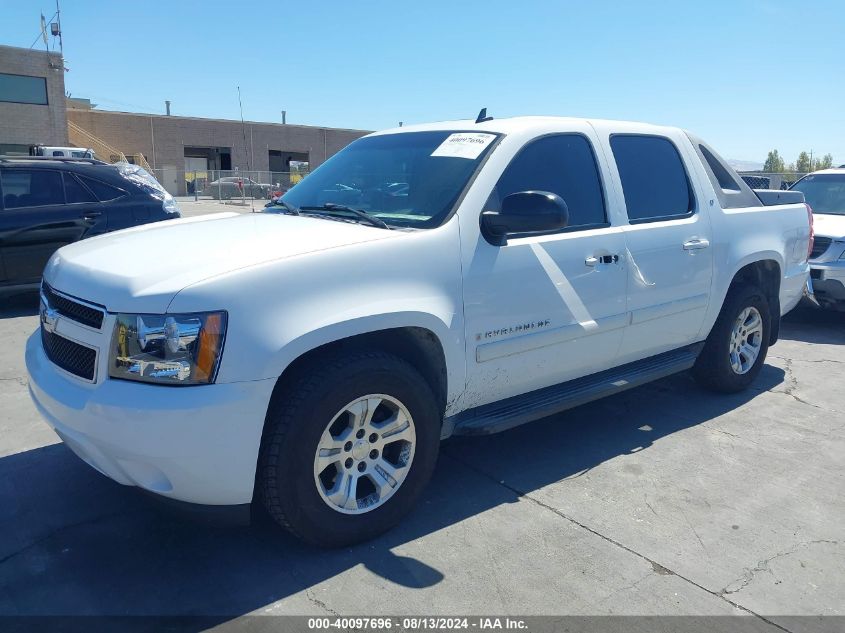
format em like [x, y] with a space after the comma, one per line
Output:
[654, 180]
[23, 89]
[563, 164]
[410, 179]
[31, 188]
[825, 193]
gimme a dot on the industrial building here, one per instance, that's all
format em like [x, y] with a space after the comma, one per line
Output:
[32, 100]
[34, 110]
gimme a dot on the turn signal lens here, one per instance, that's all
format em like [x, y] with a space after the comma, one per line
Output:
[210, 342]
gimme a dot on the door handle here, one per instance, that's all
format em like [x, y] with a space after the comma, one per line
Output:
[91, 215]
[696, 244]
[601, 259]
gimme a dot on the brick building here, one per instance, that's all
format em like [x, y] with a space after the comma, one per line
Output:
[32, 100]
[174, 145]
[34, 111]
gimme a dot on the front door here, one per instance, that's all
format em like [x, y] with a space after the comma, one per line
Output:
[544, 309]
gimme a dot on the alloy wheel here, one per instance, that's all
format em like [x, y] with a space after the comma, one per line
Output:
[364, 454]
[746, 340]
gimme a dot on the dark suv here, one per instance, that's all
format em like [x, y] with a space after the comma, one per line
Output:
[46, 203]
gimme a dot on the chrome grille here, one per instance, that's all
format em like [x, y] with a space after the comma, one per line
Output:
[73, 310]
[77, 359]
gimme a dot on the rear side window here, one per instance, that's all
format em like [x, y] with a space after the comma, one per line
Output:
[75, 192]
[31, 188]
[654, 180]
[104, 192]
[563, 164]
[723, 177]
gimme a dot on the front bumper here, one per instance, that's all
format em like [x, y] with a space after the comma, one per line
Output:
[196, 444]
[828, 281]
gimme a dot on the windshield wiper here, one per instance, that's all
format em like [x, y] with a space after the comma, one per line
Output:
[289, 208]
[331, 206]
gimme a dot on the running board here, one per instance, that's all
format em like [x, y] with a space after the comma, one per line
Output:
[506, 414]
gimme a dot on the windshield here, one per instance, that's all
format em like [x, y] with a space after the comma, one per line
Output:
[411, 179]
[825, 193]
[143, 179]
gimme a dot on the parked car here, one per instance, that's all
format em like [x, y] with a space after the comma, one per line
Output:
[61, 152]
[825, 193]
[46, 203]
[316, 356]
[235, 186]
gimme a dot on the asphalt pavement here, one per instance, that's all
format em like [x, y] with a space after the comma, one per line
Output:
[662, 500]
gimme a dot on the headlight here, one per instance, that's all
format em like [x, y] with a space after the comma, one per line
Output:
[169, 205]
[168, 349]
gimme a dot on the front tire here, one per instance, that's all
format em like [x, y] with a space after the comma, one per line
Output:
[349, 448]
[736, 348]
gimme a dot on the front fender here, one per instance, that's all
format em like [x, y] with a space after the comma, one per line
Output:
[281, 310]
[450, 341]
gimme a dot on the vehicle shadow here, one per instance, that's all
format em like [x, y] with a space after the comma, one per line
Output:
[810, 324]
[73, 542]
[19, 304]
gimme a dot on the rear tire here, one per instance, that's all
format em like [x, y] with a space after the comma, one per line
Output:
[325, 431]
[736, 348]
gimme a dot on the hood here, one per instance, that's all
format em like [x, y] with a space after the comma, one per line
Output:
[142, 268]
[829, 225]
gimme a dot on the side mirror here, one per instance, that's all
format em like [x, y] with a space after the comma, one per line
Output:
[525, 213]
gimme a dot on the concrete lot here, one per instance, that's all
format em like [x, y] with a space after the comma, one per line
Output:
[663, 500]
[191, 208]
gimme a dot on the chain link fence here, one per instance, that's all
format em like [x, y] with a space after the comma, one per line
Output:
[769, 180]
[227, 185]
[243, 185]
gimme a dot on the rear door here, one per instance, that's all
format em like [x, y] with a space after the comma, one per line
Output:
[37, 219]
[120, 209]
[670, 260]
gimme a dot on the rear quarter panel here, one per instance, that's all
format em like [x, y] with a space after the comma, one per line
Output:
[747, 235]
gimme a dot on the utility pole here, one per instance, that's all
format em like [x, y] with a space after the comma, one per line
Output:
[59, 22]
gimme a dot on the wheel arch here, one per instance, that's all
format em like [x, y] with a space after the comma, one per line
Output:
[417, 345]
[764, 271]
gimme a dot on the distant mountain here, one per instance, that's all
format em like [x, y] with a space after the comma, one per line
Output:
[744, 165]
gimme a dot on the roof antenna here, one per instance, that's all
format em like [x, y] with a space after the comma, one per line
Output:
[482, 116]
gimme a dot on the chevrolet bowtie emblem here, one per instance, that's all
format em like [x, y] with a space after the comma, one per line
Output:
[49, 318]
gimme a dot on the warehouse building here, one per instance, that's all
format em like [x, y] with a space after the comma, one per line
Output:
[35, 111]
[32, 100]
[176, 146]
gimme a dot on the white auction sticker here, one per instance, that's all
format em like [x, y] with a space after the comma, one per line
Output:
[464, 145]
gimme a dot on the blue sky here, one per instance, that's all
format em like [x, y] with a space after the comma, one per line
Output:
[748, 75]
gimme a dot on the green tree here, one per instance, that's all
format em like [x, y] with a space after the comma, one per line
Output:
[803, 164]
[774, 163]
[825, 162]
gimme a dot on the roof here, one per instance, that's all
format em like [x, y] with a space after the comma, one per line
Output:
[527, 123]
[832, 170]
[46, 160]
[80, 114]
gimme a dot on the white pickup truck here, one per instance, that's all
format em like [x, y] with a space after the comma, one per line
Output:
[454, 278]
